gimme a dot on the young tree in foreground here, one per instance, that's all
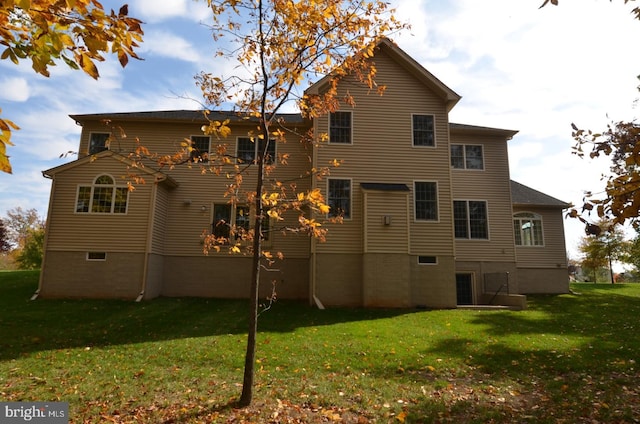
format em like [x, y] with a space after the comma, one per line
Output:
[77, 32]
[600, 251]
[278, 46]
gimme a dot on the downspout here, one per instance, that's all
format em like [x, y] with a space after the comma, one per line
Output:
[313, 280]
[314, 298]
[148, 244]
[46, 238]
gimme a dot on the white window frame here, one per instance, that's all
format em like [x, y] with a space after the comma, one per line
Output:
[332, 214]
[435, 262]
[107, 142]
[208, 152]
[338, 143]
[90, 259]
[468, 220]
[256, 146]
[415, 209]
[519, 219]
[465, 167]
[252, 216]
[413, 141]
[115, 188]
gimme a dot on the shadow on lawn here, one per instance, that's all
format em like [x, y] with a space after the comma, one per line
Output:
[30, 326]
[574, 352]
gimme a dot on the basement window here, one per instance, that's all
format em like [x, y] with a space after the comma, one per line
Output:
[427, 260]
[96, 256]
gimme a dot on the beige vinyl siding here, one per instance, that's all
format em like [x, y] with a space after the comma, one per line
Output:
[160, 220]
[381, 238]
[187, 221]
[552, 254]
[69, 230]
[490, 185]
[184, 220]
[382, 152]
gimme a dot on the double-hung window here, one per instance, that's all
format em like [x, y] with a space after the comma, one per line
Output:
[466, 156]
[470, 219]
[339, 198]
[340, 127]
[199, 148]
[98, 142]
[103, 196]
[231, 222]
[423, 130]
[527, 227]
[426, 200]
[248, 150]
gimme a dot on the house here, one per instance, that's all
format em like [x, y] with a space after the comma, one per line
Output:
[431, 217]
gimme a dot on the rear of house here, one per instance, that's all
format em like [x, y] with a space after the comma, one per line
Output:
[430, 216]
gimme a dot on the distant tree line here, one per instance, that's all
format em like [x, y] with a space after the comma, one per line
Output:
[600, 251]
[21, 239]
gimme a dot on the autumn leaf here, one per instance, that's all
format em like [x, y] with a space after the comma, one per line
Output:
[76, 31]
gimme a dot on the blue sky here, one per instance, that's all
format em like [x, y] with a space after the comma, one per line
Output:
[515, 66]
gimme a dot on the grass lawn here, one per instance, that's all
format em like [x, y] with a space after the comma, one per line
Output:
[569, 358]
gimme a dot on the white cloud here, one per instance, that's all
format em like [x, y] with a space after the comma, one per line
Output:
[14, 89]
[154, 11]
[536, 71]
[516, 67]
[170, 45]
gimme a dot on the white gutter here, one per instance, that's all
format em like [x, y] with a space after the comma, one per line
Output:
[149, 241]
[46, 238]
[313, 271]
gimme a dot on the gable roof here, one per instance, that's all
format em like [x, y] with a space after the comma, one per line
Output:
[159, 177]
[522, 195]
[474, 129]
[185, 116]
[449, 96]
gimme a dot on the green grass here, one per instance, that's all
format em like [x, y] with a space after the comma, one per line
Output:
[568, 358]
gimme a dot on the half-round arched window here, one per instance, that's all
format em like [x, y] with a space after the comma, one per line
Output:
[527, 227]
[103, 196]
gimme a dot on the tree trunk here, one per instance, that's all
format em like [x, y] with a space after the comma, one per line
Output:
[250, 355]
[249, 361]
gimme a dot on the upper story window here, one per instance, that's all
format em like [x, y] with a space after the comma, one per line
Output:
[103, 196]
[466, 156]
[247, 150]
[527, 227]
[199, 148]
[340, 127]
[423, 130]
[339, 198]
[426, 200]
[470, 219]
[98, 142]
